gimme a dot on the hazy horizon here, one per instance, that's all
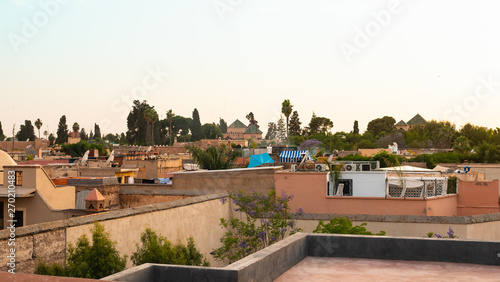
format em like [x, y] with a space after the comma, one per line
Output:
[344, 60]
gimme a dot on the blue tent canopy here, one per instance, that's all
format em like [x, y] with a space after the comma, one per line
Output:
[294, 156]
[256, 160]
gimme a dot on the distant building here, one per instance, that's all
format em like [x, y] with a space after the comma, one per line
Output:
[417, 120]
[238, 130]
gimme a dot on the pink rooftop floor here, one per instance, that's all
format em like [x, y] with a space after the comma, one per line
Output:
[353, 269]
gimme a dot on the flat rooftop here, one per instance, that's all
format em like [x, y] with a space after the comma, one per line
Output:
[358, 269]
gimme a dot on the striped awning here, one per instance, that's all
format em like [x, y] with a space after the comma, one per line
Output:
[294, 156]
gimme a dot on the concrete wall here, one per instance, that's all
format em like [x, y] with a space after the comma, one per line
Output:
[478, 197]
[269, 263]
[22, 145]
[197, 217]
[309, 190]
[246, 179]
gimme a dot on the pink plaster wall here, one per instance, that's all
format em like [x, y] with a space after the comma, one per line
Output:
[477, 197]
[309, 190]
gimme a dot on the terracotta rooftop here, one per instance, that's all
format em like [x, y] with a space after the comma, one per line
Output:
[95, 195]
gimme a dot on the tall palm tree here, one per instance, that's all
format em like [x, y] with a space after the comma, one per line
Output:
[151, 116]
[170, 117]
[38, 124]
[286, 109]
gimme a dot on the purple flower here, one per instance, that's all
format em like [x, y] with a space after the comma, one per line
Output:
[450, 232]
[236, 209]
[223, 200]
[243, 245]
[437, 235]
[262, 236]
[291, 223]
[252, 213]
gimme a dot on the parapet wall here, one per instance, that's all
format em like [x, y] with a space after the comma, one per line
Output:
[195, 216]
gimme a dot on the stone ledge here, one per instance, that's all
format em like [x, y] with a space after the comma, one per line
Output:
[408, 218]
[88, 219]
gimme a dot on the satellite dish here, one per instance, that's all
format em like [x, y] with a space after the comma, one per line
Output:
[85, 157]
[111, 158]
[330, 158]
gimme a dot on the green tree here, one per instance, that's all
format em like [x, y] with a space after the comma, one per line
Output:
[26, 132]
[213, 158]
[196, 131]
[170, 119]
[271, 131]
[52, 138]
[286, 110]
[319, 125]
[211, 131]
[157, 249]
[475, 134]
[83, 134]
[355, 128]
[244, 235]
[38, 124]
[341, 225]
[137, 124]
[2, 136]
[281, 130]
[295, 123]
[252, 120]
[97, 131]
[62, 131]
[381, 126]
[76, 127]
[151, 117]
[222, 125]
[462, 145]
[95, 261]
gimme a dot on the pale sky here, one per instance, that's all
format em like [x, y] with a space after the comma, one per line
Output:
[345, 60]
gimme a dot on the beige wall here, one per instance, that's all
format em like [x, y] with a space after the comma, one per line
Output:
[247, 179]
[198, 217]
[155, 168]
[478, 231]
[48, 200]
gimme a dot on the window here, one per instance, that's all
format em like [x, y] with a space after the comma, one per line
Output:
[19, 178]
[19, 216]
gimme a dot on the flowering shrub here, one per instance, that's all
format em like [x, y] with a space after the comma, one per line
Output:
[309, 144]
[264, 220]
[342, 225]
[450, 234]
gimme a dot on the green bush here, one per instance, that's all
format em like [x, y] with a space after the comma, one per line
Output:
[341, 225]
[86, 261]
[452, 185]
[50, 269]
[157, 249]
